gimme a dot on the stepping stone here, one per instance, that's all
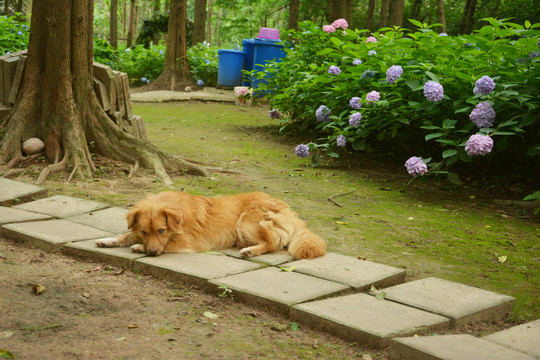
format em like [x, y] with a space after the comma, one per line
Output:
[194, 269]
[278, 290]
[12, 215]
[15, 192]
[121, 256]
[112, 220]
[358, 274]
[460, 303]
[50, 235]
[366, 320]
[451, 347]
[524, 338]
[61, 206]
[272, 259]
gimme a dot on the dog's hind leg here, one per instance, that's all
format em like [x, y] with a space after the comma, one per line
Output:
[255, 250]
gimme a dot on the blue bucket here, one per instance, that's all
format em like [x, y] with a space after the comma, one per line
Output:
[230, 67]
[265, 51]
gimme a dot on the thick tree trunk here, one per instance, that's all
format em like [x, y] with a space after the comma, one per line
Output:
[209, 22]
[467, 19]
[340, 9]
[294, 12]
[396, 15]
[440, 15]
[131, 22]
[384, 13]
[113, 29]
[6, 7]
[371, 11]
[199, 21]
[415, 11]
[57, 102]
[175, 74]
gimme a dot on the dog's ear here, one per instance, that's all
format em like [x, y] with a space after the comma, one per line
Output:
[132, 216]
[174, 217]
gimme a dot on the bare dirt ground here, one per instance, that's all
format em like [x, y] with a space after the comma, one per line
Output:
[90, 311]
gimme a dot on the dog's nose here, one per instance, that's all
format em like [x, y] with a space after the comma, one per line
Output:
[152, 252]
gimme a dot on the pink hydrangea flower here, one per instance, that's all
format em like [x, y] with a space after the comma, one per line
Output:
[479, 144]
[416, 166]
[373, 96]
[371, 39]
[340, 23]
[329, 28]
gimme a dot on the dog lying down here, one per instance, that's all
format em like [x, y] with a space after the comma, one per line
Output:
[176, 222]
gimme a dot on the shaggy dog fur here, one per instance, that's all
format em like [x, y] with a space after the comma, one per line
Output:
[255, 222]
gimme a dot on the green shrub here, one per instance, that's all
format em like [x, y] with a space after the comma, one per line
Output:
[203, 63]
[13, 33]
[403, 122]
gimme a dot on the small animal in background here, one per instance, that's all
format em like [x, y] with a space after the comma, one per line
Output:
[256, 223]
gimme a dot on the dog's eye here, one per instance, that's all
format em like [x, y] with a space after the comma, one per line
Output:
[161, 231]
[143, 232]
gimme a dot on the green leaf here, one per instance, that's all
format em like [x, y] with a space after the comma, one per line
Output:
[333, 154]
[453, 178]
[433, 136]
[315, 160]
[294, 326]
[289, 269]
[359, 145]
[326, 51]
[5, 354]
[448, 153]
[381, 295]
[412, 83]
[336, 41]
[432, 76]
[416, 23]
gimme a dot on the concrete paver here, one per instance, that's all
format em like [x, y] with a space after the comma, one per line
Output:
[50, 234]
[61, 206]
[460, 303]
[451, 347]
[206, 94]
[359, 274]
[272, 259]
[11, 215]
[17, 192]
[112, 220]
[366, 320]
[194, 269]
[523, 338]
[277, 290]
[87, 249]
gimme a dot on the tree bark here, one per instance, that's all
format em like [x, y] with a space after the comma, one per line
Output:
[294, 12]
[131, 22]
[396, 15]
[157, 5]
[340, 9]
[6, 7]
[113, 29]
[467, 20]
[371, 11]
[415, 11]
[440, 15]
[384, 13]
[209, 22]
[57, 102]
[199, 21]
[175, 74]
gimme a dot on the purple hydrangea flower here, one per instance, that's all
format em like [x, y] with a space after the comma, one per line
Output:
[372, 53]
[329, 28]
[334, 70]
[533, 55]
[274, 113]
[433, 91]
[416, 166]
[143, 79]
[355, 103]
[479, 144]
[373, 96]
[200, 82]
[538, 43]
[443, 34]
[394, 72]
[341, 140]
[483, 115]
[160, 52]
[484, 85]
[323, 113]
[302, 150]
[340, 23]
[354, 120]
[357, 62]
[371, 39]
[368, 74]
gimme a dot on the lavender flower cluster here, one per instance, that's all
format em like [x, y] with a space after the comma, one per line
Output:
[302, 150]
[323, 114]
[274, 113]
[484, 85]
[433, 91]
[373, 96]
[416, 166]
[355, 103]
[341, 140]
[479, 144]
[393, 73]
[334, 70]
[483, 115]
[354, 120]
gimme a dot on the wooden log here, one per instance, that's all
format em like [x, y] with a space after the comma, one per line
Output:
[120, 106]
[15, 86]
[105, 74]
[140, 125]
[101, 93]
[127, 97]
[9, 68]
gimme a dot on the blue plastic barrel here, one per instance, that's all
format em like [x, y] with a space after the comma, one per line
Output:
[265, 51]
[230, 66]
[249, 48]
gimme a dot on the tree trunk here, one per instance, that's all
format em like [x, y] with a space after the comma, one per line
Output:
[294, 12]
[199, 21]
[340, 9]
[384, 13]
[6, 7]
[19, 7]
[131, 21]
[415, 11]
[157, 5]
[467, 19]
[440, 15]
[371, 11]
[396, 14]
[175, 74]
[113, 29]
[57, 102]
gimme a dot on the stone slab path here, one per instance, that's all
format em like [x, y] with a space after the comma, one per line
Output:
[331, 293]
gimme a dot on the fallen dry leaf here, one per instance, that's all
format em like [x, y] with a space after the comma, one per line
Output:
[133, 326]
[502, 258]
[38, 289]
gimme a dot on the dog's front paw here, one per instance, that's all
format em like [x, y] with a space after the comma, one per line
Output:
[138, 248]
[247, 252]
[106, 242]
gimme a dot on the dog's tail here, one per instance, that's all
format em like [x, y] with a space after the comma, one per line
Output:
[307, 245]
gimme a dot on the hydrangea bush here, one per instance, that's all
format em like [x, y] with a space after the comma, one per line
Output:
[416, 94]
[13, 33]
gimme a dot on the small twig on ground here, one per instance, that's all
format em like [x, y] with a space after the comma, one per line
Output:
[72, 173]
[133, 168]
[331, 198]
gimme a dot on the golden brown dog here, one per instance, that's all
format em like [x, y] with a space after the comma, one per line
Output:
[178, 222]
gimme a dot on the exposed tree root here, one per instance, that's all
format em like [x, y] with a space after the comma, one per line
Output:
[133, 168]
[72, 173]
[49, 169]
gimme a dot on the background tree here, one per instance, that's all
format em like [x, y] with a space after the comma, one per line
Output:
[294, 12]
[371, 11]
[57, 102]
[340, 9]
[396, 12]
[440, 15]
[384, 13]
[131, 23]
[113, 28]
[199, 21]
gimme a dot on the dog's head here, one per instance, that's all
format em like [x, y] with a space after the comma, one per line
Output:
[154, 224]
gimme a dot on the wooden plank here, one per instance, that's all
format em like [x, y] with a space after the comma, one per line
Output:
[119, 94]
[127, 97]
[105, 74]
[134, 127]
[9, 68]
[4, 110]
[15, 86]
[101, 93]
[140, 126]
